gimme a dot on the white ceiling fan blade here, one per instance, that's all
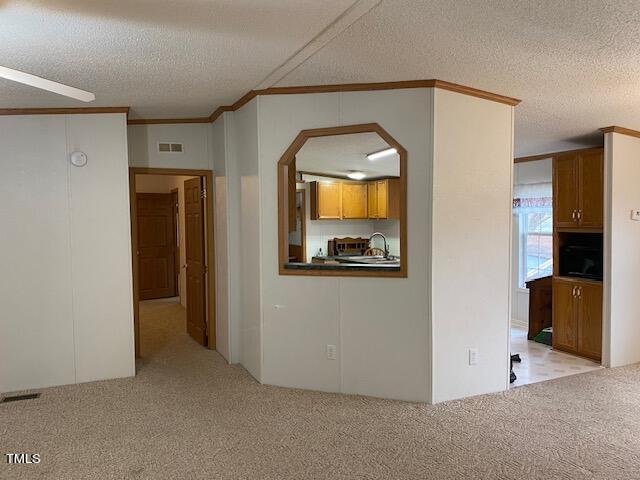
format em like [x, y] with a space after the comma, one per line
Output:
[44, 84]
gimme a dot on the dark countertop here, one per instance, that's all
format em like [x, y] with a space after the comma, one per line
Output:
[385, 267]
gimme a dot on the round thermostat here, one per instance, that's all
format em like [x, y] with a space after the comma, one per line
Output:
[79, 159]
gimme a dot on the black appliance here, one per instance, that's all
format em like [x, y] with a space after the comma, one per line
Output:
[583, 261]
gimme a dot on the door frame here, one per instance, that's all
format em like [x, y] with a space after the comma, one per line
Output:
[175, 194]
[207, 175]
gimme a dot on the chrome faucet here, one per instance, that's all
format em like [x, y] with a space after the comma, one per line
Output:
[386, 248]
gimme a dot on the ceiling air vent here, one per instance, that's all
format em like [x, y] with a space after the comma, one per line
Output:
[166, 147]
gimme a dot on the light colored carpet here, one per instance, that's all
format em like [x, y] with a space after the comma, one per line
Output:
[187, 414]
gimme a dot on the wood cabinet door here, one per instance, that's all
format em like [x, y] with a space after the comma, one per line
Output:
[372, 200]
[590, 320]
[591, 185]
[354, 200]
[382, 198]
[565, 328]
[329, 200]
[565, 190]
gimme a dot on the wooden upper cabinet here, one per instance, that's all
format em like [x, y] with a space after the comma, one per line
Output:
[354, 200]
[578, 183]
[590, 189]
[565, 316]
[376, 199]
[326, 200]
[372, 200]
[383, 199]
[565, 190]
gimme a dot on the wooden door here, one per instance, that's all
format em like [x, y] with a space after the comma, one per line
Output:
[329, 200]
[196, 262]
[156, 245]
[372, 200]
[590, 320]
[354, 200]
[591, 185]
[565, 190]
[565, 328]
[382, 198]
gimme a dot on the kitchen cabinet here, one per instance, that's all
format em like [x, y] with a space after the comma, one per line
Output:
[578, 179]
[384, 199]
[326, 200]
[354, 200]
[577, 317]
[376, 199]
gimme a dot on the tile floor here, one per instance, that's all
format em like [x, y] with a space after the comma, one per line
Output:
[540, 362]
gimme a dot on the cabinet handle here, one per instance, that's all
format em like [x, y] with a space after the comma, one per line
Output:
[573, 215]
[573, 291]
[579, 215]
[579, 292]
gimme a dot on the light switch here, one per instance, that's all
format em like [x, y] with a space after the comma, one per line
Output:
[635, 215]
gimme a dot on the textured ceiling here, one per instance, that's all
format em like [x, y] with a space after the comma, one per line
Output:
[339, 154]
[575, 64]
[172, 58]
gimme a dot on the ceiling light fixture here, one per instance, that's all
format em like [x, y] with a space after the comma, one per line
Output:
[44, 84]
[356, 175]
[382, 153]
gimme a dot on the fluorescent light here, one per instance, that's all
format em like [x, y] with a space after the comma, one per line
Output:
[356, 175]
[44, 84]
[382, 153]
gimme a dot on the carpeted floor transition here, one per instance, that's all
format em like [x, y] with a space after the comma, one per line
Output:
[187, 414]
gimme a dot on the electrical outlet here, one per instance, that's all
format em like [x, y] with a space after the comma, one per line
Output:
[473, 356]
[332, 352]
[635, 215]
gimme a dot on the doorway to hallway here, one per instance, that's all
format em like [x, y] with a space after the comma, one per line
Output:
[172, 248]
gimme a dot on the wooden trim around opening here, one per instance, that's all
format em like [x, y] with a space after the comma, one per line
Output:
[211, 277]
[62, 111]
[621, 130]
[544, 156]
[283, 234]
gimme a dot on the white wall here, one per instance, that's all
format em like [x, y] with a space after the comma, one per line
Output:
[67, 311]
[621, 332]
[164, 184]
[471, 244]
[221, 205]
[245, 237]
[380, 325]
[144, 139]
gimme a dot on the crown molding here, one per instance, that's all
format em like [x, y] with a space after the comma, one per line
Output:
[621, 130]
[544, 156]
[63, 111]
[363, 87]
[163, 121]
[246, 98]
